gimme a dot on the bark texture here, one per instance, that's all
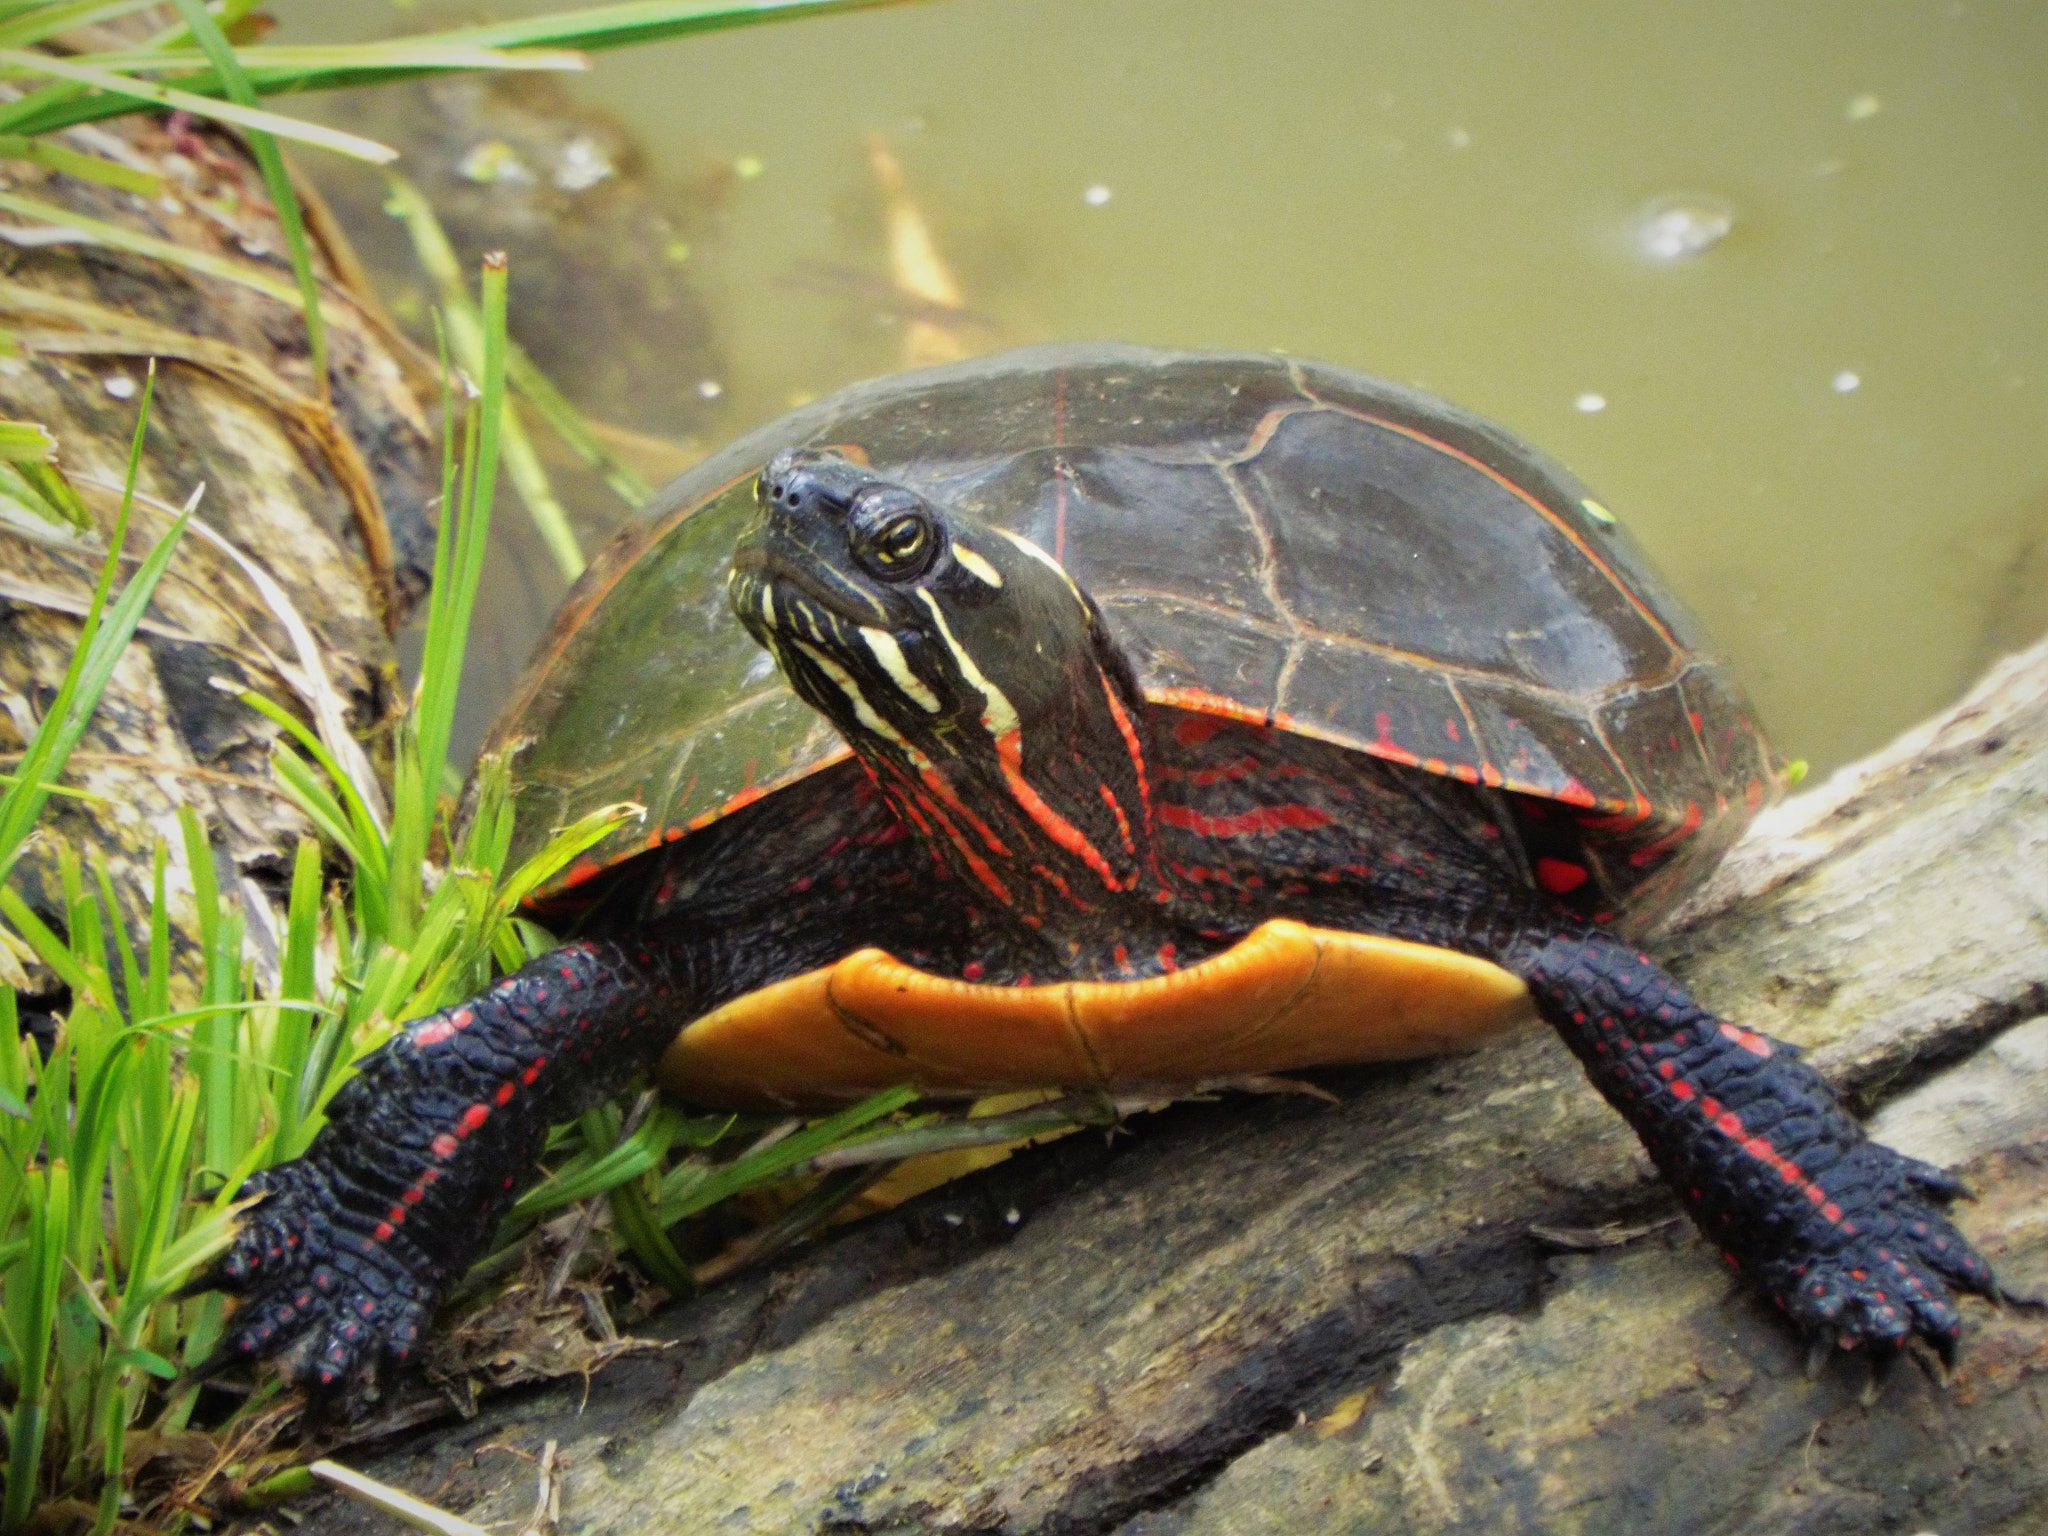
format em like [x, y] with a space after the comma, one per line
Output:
[324, 496]
[1454, 1301]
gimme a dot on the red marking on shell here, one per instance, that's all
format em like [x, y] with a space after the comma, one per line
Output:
[1435, 765]
[1465, 773]
[1121, 956]
[1664, 844]
[1694, 716]
[1451, 730]
[973, 970]
[1205, 702]
[1560, 876]
[1168, 959]
[584, 868]
[444, 1145]
[744, 798]
[1264, 818]
[1753, 794]
[1575, 793]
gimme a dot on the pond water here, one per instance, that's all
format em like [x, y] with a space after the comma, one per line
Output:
[1772, 278]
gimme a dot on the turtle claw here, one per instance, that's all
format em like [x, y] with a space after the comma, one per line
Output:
[1820, 1349]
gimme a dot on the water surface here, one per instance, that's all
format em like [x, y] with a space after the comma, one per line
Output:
[1828, 424]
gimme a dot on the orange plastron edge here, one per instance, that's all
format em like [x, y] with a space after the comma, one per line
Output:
[1285, 997]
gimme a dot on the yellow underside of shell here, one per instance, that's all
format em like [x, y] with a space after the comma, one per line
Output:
[1286, 997]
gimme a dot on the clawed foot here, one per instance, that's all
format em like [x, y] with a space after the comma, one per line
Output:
[1885, 1269]
[335, 1307]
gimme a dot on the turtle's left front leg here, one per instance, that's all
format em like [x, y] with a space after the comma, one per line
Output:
[1846, 1235]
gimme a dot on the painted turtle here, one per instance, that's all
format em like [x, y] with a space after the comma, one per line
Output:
[1095, 715]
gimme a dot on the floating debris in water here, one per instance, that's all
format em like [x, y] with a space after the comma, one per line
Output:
[582, 165]
[1682, 224]
[119, 385]
[747, 167]
[1846, 381]
[1459, 138]
[1591, 403]
[1862, 109]
[1096, 195]
[710, 389]
[493, 161]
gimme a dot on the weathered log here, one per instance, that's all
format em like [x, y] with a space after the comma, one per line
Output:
[319, 487]
[1456, 1300]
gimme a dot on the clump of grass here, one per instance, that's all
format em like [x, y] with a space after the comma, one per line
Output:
[123, 1147]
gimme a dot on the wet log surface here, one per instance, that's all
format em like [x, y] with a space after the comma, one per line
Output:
[1456, 1300]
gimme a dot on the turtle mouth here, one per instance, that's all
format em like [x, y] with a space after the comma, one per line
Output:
[777, 596]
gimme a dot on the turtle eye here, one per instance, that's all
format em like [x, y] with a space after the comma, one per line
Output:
[893, 537]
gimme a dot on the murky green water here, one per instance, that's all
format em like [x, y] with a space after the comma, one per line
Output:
[1830, 427]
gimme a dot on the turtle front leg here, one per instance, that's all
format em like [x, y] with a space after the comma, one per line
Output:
[1846, 1235]
[342, 1262]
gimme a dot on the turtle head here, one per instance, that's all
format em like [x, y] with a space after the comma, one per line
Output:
[971, 674]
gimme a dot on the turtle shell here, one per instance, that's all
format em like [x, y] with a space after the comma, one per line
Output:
[1268, 538]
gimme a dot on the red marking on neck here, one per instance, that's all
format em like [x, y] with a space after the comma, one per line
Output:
[1010, 754]
[1129, 733]
[1264, 818]
[1123, 822]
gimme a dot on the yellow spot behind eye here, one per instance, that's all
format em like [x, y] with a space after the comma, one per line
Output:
[976, 565]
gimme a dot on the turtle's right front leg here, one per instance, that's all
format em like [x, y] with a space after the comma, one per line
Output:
[343, 1261]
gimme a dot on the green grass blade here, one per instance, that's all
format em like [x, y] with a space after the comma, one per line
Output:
[77, 694]
[295, 983]
[593, 28]
[284, 197]
[169, 97]
[449, 619]
[55, 157]
[464, 334]
[26, 442]
[33, 1294]
[772, 1162]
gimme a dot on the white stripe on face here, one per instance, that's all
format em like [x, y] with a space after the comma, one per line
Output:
[998, 715]
[863, 711]
[886, 651]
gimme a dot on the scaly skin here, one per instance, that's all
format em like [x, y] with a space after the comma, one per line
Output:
[1843, 1233]
[424, 1152]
